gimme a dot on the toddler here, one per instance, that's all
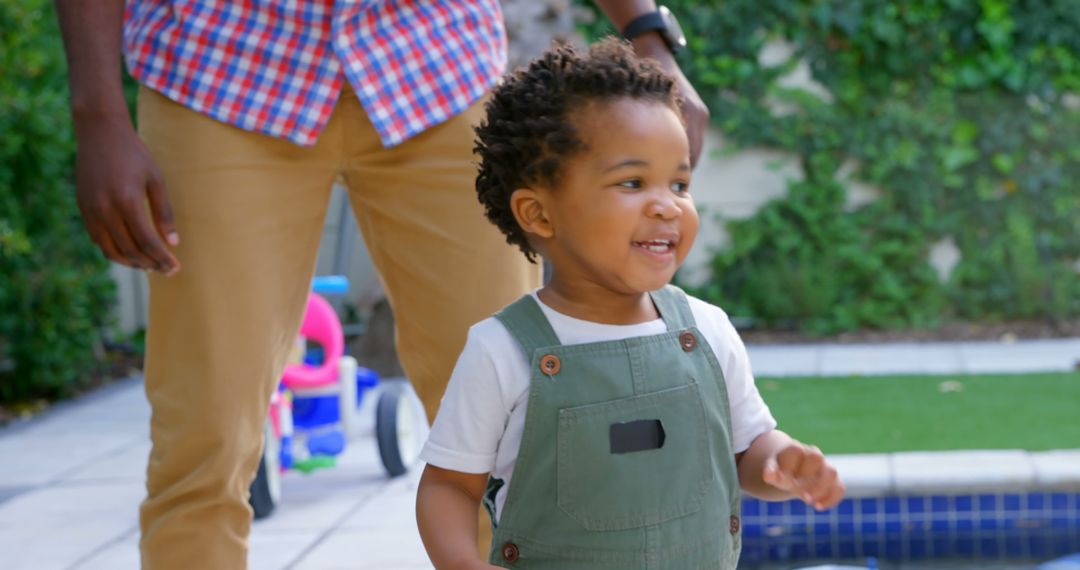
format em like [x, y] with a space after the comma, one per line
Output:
[607, 421]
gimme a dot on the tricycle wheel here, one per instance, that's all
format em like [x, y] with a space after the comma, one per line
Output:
[397, 427]
[266, 488]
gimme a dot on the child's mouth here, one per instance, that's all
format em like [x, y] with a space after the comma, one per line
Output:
[656, 245]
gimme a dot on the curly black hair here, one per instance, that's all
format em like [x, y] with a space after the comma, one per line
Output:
[529, 127]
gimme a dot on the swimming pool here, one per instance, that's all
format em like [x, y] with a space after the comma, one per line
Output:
[1012, 524]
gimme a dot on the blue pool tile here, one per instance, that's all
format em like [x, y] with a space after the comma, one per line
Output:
[845, 528]
[939, 504]
[918, 548]
[965, 524]
[846, 507]
[846, 549]
[1015, 547]
[1011, 502]
[964, 547]
[916, 505]
[1037, 546]
[892, 505]
[1036, 501]
[823, 528]
[987, 523]
[987, 503]
[870, 527]
[989, 547]
[752, 530]
[797, 508]
[751, 554]
[943, 547]
[893, 526]
[823, 549]
[871, 548]
[940, 525]
[894, 549]
[1061, 544]
[774, 509]
[800, 551]
[751, 508]
[1062, 523]
[963, 503]
[1059, 502]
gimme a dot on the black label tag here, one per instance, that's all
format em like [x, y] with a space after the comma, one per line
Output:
[640, 435]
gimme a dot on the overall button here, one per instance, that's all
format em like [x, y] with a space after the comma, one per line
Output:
[687, 341]
[550, 364]
[510, 552]
[734, 527]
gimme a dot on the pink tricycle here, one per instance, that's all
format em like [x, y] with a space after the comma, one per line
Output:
[314, 411]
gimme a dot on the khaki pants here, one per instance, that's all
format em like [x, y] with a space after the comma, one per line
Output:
[249, 209]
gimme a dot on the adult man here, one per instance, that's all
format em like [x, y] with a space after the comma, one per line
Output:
[248, 111]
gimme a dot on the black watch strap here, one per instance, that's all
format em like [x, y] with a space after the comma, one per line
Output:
[644, 23]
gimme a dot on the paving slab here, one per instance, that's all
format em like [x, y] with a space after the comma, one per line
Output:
[1057, 470]
[1051, 355]
[864, 475]
[962, 472]
[872, 360]
[780, 360]
[368, 548]
[57, 526]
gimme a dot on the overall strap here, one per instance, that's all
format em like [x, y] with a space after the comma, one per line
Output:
[528, 325]
[674, 308]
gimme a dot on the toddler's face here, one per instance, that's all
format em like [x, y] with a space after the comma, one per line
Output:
[622, 214]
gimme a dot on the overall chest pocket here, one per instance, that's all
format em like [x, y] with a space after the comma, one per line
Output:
[634, 462]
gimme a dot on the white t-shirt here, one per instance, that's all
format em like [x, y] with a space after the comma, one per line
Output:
[479, 425]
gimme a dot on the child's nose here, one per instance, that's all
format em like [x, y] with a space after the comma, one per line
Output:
[664, 207]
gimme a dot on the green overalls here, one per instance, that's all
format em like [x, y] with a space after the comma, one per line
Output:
[626, 458]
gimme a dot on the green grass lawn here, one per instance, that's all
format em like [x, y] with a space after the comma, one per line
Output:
[864, 414]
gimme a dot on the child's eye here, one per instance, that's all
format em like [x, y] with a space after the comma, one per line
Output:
[680, 187]
[634, 183]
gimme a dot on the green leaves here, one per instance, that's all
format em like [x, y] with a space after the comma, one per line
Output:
[55, 291]
[957, 110]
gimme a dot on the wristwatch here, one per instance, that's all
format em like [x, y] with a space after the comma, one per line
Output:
[663, 21]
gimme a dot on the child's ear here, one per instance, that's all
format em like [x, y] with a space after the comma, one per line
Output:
[528, 209]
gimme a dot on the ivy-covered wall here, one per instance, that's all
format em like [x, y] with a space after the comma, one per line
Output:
[964, 113]
[54, 286]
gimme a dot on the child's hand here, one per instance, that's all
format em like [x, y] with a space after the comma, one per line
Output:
[802, 470]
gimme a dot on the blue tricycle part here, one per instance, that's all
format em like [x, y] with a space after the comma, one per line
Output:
[286, 452]
[314, 411]
[330, 285]
[313, 356]
[366, 379]
[326, 443]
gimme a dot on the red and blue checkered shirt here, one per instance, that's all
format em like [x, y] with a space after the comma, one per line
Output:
[278, 66]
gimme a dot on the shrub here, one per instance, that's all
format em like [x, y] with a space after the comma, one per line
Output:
[55, 291]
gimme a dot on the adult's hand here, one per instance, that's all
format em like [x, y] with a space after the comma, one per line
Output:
[114, 175]
[650, 44]
[694, 111]
[115, 181]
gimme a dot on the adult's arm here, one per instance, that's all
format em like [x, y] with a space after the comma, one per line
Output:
[650, 44]
[114, 173]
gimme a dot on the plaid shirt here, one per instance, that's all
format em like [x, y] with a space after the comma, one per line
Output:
[278, 66]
